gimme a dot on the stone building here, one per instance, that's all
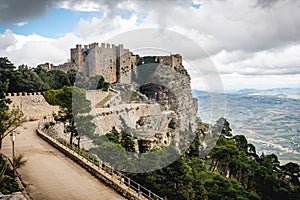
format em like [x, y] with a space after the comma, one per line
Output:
[112, 62]
[174, 61]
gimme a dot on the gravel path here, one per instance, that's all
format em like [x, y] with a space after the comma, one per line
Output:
[49, 174]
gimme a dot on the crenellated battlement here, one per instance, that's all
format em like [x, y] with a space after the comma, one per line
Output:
[94, 45]
[23, 94]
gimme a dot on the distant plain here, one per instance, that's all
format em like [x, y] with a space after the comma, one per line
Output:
[270, 119]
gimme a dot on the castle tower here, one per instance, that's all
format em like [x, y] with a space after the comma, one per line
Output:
[77, 57]
[112, 62]
[100, 60]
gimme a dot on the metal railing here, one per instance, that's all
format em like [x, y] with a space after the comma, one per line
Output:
[142, 191]
[103, 168]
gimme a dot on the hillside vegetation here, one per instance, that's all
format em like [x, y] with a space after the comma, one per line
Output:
[232, 170]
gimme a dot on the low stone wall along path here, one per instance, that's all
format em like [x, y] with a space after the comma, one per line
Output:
[49, 174]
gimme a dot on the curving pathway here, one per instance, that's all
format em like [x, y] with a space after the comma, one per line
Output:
[49, 174]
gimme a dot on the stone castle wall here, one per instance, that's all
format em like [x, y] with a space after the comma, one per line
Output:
[103, 99]
[114, 63]
[106, 118]
[33, 105]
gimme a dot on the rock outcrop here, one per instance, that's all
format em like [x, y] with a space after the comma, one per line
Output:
[155, 109]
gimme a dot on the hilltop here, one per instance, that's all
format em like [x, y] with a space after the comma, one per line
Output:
[146, 93]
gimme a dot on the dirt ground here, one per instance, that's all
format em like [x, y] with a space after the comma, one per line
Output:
[48, 174]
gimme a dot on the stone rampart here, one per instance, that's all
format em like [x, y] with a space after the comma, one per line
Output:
[33, 104]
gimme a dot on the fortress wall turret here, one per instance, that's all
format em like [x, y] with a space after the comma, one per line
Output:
[76, 57]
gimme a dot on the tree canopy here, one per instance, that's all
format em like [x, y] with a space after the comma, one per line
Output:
[26, 79]
[74, 110]
[232, 170]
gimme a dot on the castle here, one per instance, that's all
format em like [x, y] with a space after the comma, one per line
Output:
[159, 93]
[112, 62]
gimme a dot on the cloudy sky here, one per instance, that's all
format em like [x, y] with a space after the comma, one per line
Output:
[252, 43]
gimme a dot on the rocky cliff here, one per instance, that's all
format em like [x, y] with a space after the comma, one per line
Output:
[170, 87]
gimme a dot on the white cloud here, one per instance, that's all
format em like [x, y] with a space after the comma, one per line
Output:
[127, 5]
[229, 24]
[83, 6]
[101, 29]
[34, 49]
[19, 24]
[7, 39]
[278, 61]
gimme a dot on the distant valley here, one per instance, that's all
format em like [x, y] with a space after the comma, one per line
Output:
[270, 119]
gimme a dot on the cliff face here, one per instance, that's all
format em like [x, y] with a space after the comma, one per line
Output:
[170, 87]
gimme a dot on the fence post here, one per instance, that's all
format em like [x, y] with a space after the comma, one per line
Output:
[100, 165]
[139, 189]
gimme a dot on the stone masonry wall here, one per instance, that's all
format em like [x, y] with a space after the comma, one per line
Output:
[33, 105]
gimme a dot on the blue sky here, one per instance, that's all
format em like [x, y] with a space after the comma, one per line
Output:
[253, 44]
[53, 25]
[59, 21]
